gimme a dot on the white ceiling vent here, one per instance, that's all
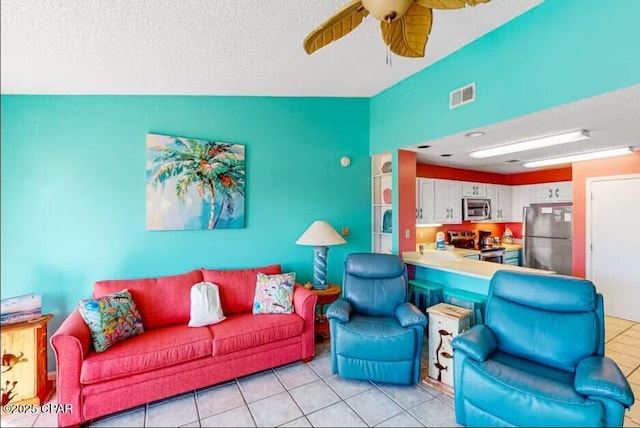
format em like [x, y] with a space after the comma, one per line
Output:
[461, 96]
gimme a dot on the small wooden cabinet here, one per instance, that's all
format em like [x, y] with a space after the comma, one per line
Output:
[24, 362]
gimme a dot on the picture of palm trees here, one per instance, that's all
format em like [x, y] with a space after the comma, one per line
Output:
[194, 184]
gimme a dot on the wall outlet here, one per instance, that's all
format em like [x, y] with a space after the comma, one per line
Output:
[345, 231]
[407, 233]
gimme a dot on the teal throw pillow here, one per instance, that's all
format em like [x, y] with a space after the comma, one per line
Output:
[111, 318]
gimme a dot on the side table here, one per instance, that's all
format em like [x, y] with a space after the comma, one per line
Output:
[325, 298]
[24, 362]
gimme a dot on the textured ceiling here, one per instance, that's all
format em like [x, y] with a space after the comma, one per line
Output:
[212, 47]
[611, 118]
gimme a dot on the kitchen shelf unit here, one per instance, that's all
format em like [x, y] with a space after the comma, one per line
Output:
[381, 203]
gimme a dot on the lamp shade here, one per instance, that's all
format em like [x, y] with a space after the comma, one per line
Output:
[320, 233]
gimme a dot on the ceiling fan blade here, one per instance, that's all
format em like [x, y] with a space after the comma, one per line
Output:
[340, 24]
[408, 35]
[449, 4]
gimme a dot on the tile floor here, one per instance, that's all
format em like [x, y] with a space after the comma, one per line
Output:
[304, 395]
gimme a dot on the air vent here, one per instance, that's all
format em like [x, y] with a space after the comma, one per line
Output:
[513, 160]
[461, 96]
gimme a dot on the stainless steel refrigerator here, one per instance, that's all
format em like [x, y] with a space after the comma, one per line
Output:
[547, 237]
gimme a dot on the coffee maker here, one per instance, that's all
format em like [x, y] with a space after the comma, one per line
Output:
[484, 239]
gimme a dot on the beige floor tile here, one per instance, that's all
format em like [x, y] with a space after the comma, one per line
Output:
[615, 329]
[628, 340]
[634, 413]
[622, 359]
[626, 371]
[611, 321]
[608, 337]
[617, 346]
[633, 333]
[628, 422]
[636, 327]
[635, 378]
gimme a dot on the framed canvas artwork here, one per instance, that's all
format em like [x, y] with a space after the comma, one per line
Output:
[194, 183]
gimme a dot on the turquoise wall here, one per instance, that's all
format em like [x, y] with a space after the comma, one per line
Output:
[558, 52]
[73, 188]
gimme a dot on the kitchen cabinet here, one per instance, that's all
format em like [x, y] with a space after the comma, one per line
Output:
[513, 257]
[448, 201]
[425, 199]
[474, 190]
[381, 188]
[501, 201]
[561, 191]
[521, 197]
[473, 256]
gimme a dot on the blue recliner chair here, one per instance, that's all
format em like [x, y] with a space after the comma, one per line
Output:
[375, 333]
[539, 358]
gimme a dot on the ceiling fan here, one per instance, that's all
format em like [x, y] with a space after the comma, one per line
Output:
[405, 24]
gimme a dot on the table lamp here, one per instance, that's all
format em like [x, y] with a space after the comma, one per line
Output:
[320, 234]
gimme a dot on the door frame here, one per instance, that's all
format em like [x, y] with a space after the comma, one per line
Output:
[589, 208]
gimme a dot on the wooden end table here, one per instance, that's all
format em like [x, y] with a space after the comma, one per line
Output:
[325, 298]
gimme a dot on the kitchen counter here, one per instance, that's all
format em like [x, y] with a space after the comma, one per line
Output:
[453, 261]
[512, 247]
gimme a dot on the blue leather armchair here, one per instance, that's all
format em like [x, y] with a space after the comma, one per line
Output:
[539, 358]
[375, 333]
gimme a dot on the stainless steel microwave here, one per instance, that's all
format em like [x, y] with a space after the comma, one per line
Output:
[476, 209]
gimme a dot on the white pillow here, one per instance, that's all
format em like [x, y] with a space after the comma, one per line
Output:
[205, 305]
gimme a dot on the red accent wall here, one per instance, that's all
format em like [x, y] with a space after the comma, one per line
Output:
[541, 176]
[406, 200]
[621, 165]
[424, 170]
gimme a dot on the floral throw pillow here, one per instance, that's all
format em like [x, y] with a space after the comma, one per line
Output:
[111, 318]
[274, 294]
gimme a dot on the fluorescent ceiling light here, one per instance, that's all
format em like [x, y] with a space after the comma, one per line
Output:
[428, 224]
[474, 134]
[536, 143]
[580, 157]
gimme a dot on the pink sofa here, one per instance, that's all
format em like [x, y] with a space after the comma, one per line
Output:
[170, 358]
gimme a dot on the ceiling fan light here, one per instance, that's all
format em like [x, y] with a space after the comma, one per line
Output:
[535, 143]
[580, 157]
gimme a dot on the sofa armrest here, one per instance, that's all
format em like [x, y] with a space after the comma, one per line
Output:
[71, 344]
[304, 304]
[409, 315]
[478, 342]
[601, 376]
[339, 310]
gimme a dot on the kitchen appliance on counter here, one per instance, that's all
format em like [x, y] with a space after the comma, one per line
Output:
[462, 238]
[475, 209]
[547, 237]
[489, 252]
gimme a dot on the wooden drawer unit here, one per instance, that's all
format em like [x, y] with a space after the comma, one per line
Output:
[24, 362]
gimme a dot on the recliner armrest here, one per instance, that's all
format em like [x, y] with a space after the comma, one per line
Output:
[409, 315]
[478, 342]
[339, 310]
[601, 376]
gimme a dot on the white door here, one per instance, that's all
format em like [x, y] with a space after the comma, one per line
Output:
[613, 254]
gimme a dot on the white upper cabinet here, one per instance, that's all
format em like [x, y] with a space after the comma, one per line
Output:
[474, 190]
[425, 201]
[561, 191]
[448, 201]
[521, 197]
[501, 200]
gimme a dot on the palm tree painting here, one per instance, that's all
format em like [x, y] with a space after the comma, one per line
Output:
[194, 184]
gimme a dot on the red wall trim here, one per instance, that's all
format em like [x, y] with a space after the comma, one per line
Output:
[406, 200]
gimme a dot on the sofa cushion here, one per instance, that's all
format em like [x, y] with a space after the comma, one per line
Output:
[375, 338]
[157, 348]
[237, 286]
[242, 331]
[551, 400]
[161, 301]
